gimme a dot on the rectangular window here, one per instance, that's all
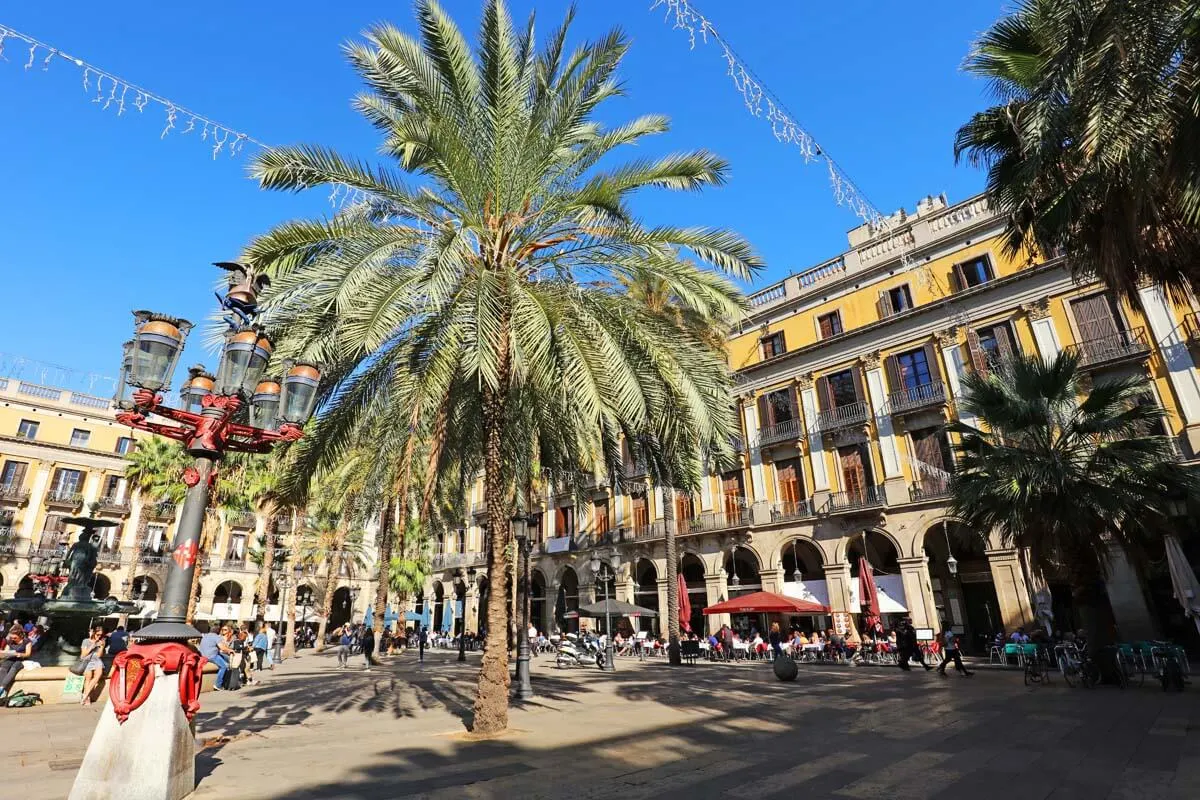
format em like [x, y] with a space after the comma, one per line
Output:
[913, 369]
[685, 511]
[855, 461]
[112, 487]
[536, 534]
[67, 482]
[564, 521]
[779, 407]
[600, 516]
[237, 547]
[830, 324]
[791, 483]
[843, 390]
[773, 345]
[124, 445]
[975, 272]
[996, 343]
[641, 512]
[27, 429]
[1096, 318]
[895, 301]
[156, 540]
[460, 540]
[80, 437]
[13, 474]
[733, 493]
[932, 461]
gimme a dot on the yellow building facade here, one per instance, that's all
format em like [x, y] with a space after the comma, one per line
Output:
[846, 373]
[62, 453]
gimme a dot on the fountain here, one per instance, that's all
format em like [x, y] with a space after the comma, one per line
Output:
[74, 609]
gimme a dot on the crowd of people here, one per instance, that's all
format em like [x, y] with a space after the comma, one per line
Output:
[239, 654]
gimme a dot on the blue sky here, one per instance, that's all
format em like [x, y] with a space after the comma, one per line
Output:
[99, 216]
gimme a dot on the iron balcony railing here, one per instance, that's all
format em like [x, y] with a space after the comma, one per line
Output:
[787, 431]
[240, 519]
[1119, 346]
[734, 512]
[916, 397]
[479, 508]
[456, 560]
[645, 532]
[855, 500]
[109, 557]
[929, 489]
[792, 509]
[10, 493]
[152, 556]
[64, 498]
[8, 541]
[737, 444]
[1191, 327]
[846, 416]
[164, 510]
[114, 505]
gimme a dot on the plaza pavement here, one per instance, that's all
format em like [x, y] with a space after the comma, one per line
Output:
[712, 730]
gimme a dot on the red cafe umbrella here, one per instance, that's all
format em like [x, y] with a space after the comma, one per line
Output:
[868, 595]
[685, 607]
[766, 603]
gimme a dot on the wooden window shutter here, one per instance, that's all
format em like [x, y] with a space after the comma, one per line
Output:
[793, 401]
[957, 281]
[18, 473]
[931, 357]
[824, 398]
[884, 304]
[1004, 340]
[1094, 317]
[976, 352]
[860, 390]
[892, 369]
[764, 411]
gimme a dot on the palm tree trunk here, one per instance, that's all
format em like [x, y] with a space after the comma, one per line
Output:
[333, 569]
[386, 537]
[491, 698]
[672, 611]
[289, 644]
[270, 533]
[134, 552]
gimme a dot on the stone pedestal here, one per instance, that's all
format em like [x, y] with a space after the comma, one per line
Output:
[1128, 601]
[152, 756]
[918, 595]
[1016, 609]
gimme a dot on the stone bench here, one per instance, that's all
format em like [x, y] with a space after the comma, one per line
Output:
[51, 683]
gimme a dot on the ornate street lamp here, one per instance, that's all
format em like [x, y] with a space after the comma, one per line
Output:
[299, 397]
[521, 525]
[205, 425]
[605, 569]
[121, 398]
[951, 561]
[264, 405]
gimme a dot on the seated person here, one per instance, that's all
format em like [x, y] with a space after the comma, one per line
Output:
[15, 650]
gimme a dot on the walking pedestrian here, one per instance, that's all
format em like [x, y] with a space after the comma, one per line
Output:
[774, 638]
[368, 646]
[951, 651]
[271, 645]
[261, 644]
[422, 642]
[345, 641]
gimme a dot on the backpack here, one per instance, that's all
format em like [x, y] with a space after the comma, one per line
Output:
[22, 699]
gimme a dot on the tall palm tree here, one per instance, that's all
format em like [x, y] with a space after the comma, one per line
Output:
[1064, 472]
[327, 537]
[1092, 147]
[487, 295]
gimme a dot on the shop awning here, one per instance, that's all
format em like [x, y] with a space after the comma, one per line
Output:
[766, 603]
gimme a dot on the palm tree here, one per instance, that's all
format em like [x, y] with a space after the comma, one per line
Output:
[259, 476]
[1061, 478]
[489, 296]
[1092, 148]
[155, 473]
[326, 538]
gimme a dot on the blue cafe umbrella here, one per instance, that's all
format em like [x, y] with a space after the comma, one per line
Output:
[368, 616]
[448, 617]
[389, 616]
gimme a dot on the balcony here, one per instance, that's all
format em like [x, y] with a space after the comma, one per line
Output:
[848, 502]
[457, 560]
[163, 510]
[8, 541]
[479, 509]
[787, 431]
[112, 505]
[737, 444]
[1115, 348]
[13, 494]
[643, 533]
[152, 557]
[240, 519]
[847, 416]
[1191, 328]
[109, 558]
[63, 497]
[916, 398]
[635, 469]
[929, 489]
[789, 510]
[734, 513]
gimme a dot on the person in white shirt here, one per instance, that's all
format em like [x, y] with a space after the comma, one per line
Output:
[271, 645]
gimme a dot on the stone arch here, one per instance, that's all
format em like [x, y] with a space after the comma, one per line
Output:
[538, 588]
[340, 611]
[882, 550]
[567, 598]
[147, 586]
[440, 598]
[743, 566]
[846, 541]
[227, 591]
[25, 587]
[801, 559]
[101, 586]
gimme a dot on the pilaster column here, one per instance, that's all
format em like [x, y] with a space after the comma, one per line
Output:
[1043, 329]
[664, 610]
[1181, 368]
[918, 592]
[1008, 578]
[837, 581]
[816, 443]
[877, 391]
[706, 492]
[757, 481]
[657, 511]
[715, 590]
[37, 496]
[91, 489]
[772, 580]
[548, 624]
[947, 342]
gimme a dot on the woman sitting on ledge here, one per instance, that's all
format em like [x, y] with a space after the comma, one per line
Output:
[17, 648]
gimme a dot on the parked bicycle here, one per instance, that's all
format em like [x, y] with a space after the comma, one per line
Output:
[1038, 667]
[1076, 667]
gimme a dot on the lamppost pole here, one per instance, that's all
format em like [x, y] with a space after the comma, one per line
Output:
[205, 424]
[605, 569]
[277, 657]
[521, 524]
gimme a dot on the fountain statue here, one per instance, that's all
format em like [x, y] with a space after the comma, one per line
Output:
[71, 613]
